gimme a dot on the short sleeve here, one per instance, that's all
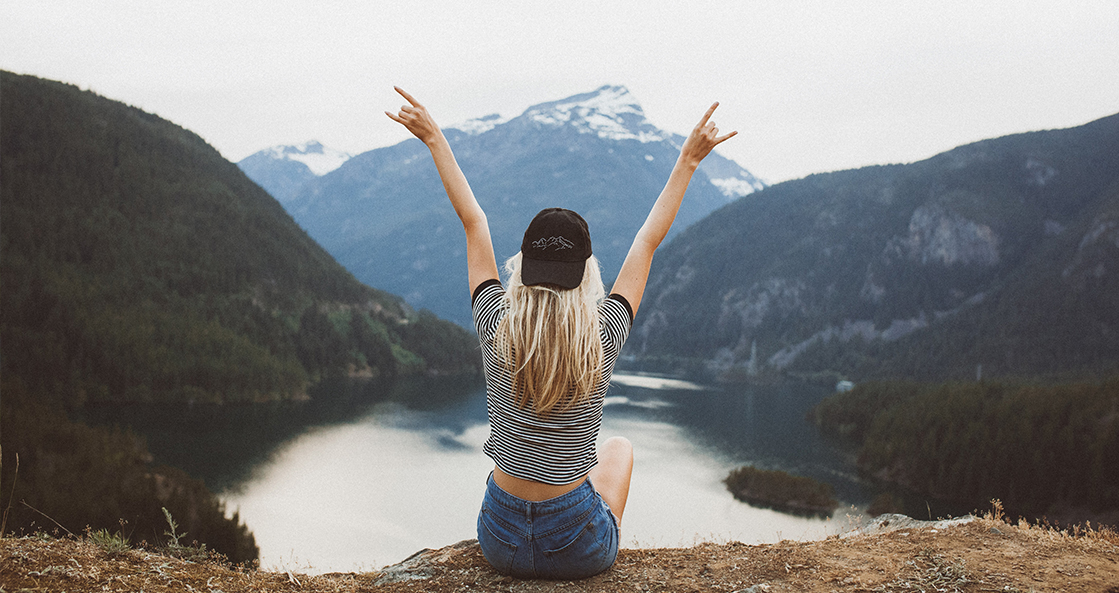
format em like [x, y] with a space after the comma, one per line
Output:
[621, 299]
[486, 305]
[616, 318]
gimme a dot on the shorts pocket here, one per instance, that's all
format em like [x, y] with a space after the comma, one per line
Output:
[499, 552]
[583, 551]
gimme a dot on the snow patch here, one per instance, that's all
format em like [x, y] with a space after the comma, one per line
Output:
[611, 113]
[318, 158]
[736, 187]
[480, 125]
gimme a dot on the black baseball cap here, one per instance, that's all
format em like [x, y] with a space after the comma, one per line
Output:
[555, 249]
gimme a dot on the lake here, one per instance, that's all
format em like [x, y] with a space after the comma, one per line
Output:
[363, 475]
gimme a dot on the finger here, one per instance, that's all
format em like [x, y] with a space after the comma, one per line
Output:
[394, 117]
[725, 138]
[707, 116]
[410, 99]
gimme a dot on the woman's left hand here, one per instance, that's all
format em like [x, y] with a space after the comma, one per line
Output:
[704, 137]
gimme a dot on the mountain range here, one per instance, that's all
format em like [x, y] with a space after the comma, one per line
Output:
[998, 258]
[384, 214]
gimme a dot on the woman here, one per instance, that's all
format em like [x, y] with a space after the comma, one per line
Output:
[553, 503]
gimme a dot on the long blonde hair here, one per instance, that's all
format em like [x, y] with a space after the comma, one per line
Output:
[550, 339]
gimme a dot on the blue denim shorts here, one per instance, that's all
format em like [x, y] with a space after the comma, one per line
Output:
[571, 536]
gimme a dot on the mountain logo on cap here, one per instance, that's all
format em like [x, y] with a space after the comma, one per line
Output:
[555, 243]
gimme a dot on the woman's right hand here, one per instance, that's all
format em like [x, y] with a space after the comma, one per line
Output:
[703, 139]
[480, 262]
[416, 118]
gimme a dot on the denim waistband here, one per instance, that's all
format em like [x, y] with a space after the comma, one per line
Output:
[530, 508]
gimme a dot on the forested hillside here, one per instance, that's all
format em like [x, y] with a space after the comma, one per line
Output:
[1040, 449]
[62, 476]
[998, 258]
[139, 265]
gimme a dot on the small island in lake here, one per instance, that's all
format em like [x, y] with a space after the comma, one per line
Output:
[781, 491]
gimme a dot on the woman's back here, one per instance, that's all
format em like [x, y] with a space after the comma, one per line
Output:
[553, 503]
[556, 446]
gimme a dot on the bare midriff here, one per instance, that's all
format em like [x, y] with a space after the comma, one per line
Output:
[529, 490]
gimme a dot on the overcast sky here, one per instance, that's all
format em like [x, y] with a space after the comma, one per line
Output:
[811, 86]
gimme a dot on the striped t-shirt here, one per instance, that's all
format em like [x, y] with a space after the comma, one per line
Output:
[557, 448]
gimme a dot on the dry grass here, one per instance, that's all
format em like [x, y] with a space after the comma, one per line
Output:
[985, 554]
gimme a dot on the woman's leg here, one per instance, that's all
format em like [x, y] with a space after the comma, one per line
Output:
[612, 474]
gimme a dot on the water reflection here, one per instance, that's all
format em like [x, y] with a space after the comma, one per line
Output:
[765, 426]
[222, 445]
[653, 382]
[365, 494]
[400, 478]
[364, 475]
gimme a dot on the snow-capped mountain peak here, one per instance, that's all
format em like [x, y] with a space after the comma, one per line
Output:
[318, 158]
[282, 170]
[609, 112]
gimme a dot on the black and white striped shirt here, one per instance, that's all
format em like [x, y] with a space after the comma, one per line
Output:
[558, 448]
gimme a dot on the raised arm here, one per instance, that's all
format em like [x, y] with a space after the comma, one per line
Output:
[635, 270]
[480, 262]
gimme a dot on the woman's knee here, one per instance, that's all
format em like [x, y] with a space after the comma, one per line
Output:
[617, 451]
[619, 445]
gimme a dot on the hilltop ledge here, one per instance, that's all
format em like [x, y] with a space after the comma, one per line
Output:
[893, 553]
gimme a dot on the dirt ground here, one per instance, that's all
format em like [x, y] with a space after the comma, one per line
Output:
[894, 553]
